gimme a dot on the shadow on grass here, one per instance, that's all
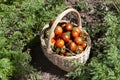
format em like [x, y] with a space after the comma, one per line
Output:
[40, 62]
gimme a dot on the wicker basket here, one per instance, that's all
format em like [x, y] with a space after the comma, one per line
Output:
[63, 62]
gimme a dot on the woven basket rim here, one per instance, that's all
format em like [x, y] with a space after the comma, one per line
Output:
[49, 51]
[57, 59]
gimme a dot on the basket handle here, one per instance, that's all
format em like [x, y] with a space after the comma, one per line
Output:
[59, 18]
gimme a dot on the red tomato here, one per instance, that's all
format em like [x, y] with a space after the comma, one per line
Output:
[69, 27]
[70, 41]
[77, 29]
[58, 30]
[53, 41]
[63, 52]
[80, 49]
[78, 40]
[66, 36]
[72, 46]
[59, 43]
[75, 34]
[84, 44]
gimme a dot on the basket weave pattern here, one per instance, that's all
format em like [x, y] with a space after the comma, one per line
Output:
[63, 62]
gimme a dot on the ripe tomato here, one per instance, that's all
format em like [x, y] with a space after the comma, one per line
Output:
[58, 30]
[53, 40]
[78, 40]
[75, 34]
[84, 44]
[70, 41]
[77, 29]
[69, 27]
[80, 49]
[59, 43]
[72, 46]
[63, 52]
[66, 36]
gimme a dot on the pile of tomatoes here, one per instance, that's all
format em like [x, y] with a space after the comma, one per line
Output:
[69, 40]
